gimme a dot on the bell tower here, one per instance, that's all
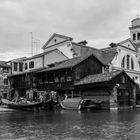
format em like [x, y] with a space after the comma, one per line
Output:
[135, 31]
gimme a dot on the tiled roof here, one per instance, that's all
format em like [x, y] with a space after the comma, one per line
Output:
[108, 54]
[68, 63]
[3, 64]
[97, 78]
[105, 55]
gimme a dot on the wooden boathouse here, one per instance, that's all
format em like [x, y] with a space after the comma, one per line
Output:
[116, 90]
[84, 76]
[62, 76]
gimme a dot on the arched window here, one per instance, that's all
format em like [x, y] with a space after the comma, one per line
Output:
[134, 36]
[123, 62]
[138, 36]
[132, 64]
[127, 62]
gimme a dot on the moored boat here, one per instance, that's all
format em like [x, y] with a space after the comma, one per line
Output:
[90, 104]
[18, 105]
[80, 104]
[71, 103]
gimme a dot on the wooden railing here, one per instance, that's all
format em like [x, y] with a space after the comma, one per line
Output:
[56, 86]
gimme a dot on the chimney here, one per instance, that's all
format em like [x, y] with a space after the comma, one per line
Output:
[84, 42]
[112, 44]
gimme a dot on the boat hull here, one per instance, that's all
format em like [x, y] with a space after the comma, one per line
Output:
[71, 104]
[21, 106]
[80, 104]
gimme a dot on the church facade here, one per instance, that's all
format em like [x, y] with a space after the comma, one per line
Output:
[128, 53]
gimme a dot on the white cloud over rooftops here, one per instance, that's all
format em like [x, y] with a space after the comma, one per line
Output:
[100, 22]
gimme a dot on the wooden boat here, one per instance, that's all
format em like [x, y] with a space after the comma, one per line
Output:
[14, 105]
[90, 104]
[80, 104]
[71, 103]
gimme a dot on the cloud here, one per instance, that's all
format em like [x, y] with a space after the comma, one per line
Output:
[99, 22]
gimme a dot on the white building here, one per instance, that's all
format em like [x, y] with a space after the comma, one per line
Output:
[128, 57]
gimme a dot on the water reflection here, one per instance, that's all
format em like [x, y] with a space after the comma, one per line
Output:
[70, 125]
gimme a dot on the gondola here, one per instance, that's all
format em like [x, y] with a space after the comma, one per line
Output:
[80, 104]
[71, 103]
[15, 105]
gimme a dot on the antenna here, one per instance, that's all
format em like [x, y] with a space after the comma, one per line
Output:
[37, 45]
[31, 33]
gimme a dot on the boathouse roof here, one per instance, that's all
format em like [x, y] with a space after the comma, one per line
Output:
[98, 78]
[69, 63]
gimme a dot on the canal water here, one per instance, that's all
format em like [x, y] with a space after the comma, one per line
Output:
[70, 125]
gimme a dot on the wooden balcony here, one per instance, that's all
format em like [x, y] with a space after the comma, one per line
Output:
[56, 86]
[21, 85]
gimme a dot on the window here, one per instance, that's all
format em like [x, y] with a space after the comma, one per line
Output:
[127, 62]
[134, 37]
[132, 64]
[31, 64]
[20, 67]
[123, 79]
[123, 62]
[138, 36]
[15, 66]
[26, 66]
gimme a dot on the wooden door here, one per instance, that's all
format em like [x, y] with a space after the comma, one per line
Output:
[123, 97]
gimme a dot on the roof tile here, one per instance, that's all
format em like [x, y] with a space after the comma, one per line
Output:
[97, 78]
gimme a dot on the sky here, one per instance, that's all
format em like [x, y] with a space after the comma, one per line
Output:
[100, 22]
